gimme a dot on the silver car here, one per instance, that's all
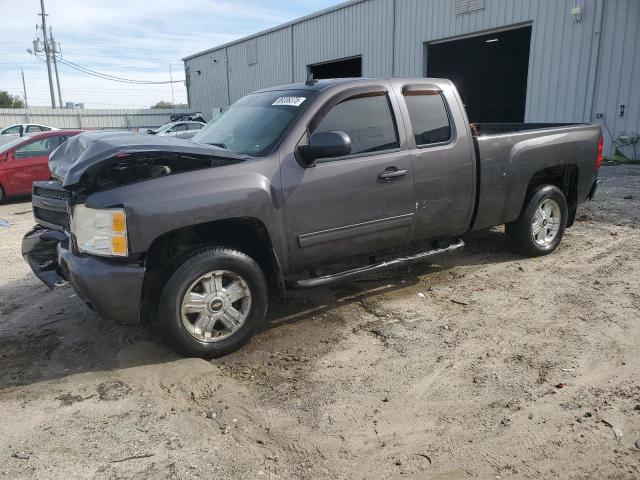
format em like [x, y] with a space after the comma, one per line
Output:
[185, 129]
[19, 130]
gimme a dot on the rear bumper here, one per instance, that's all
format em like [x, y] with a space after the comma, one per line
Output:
[113, 290]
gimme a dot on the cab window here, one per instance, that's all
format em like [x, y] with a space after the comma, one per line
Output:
[368, 121]
[429, 117]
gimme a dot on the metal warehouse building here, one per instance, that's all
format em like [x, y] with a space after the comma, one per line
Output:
[512, 60]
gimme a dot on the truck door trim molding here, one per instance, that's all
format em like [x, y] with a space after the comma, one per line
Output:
[355, 230]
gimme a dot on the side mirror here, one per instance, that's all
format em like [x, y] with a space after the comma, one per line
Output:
[326, 145]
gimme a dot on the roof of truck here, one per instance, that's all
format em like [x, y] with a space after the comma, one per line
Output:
[316, 85]
[319, 85]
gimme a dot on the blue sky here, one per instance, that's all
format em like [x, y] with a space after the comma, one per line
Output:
[133, 39]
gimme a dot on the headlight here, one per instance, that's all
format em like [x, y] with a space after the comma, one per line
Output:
[100, 231]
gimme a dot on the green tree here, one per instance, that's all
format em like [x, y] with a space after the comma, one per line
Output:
[10, 101]
[163, 104]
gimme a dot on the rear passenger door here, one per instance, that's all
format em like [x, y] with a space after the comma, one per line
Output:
[342, 206]
[443, 160]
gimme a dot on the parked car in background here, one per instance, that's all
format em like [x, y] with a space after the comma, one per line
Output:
[178, 129]
[26, 159]
[19, 130]
[195, 117]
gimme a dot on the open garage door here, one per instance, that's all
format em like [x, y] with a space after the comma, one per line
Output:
[490, 71]
[345, 68]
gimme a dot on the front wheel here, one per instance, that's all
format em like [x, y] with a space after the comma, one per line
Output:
[542, 222]
[213, 303]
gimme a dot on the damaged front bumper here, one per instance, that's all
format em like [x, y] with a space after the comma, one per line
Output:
[112, 289]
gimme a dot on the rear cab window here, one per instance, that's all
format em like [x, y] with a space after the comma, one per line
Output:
[367, 119]
[429, 116]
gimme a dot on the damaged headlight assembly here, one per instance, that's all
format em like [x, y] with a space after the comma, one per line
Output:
[100, 231]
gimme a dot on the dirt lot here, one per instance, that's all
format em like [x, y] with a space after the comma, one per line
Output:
[486, 365]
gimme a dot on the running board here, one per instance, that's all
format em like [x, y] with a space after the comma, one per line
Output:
[356, 272]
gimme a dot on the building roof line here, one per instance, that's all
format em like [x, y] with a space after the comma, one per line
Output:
[282, 26]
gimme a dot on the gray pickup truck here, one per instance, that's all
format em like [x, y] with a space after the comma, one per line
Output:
[285, 188]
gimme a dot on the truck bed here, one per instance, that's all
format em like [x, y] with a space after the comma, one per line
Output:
[480, 129]
[510, 155]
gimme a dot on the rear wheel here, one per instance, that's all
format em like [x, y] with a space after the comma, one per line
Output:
[540, 227]
[213, 303]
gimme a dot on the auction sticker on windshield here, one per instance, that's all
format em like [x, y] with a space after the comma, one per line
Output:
[289, 101]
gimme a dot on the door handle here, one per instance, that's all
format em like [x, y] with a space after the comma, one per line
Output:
[391, 173]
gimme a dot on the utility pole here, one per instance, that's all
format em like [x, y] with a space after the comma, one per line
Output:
[173, 99]
[24, 90]
[47, 52]
[54, 46]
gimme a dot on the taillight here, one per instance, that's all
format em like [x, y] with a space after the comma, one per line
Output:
[599, 157]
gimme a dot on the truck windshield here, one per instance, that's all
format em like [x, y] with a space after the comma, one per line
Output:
[255, 124]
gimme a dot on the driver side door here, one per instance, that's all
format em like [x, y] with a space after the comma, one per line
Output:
[342, 207]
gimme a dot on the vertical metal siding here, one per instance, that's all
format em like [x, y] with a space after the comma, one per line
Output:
[618, 75]
[575, 70]
[273, 66]
[361, 29]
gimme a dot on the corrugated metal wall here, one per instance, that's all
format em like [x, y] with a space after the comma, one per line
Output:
[575, 69]
[88, 118]
[618, 72]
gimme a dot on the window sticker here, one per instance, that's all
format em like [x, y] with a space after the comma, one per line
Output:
[289, 101]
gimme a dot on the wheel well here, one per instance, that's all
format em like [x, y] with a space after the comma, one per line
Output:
[246, 234]
[565, 177]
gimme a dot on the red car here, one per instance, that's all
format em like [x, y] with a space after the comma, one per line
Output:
[26, 159]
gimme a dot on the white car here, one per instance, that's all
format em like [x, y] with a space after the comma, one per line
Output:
[19, 130]
[186, 129]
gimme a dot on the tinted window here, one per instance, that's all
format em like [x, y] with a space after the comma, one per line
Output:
[39, 148]
[194, 126]
[181, 127]
[367, 120]
[10, 130]
[34, 128]
[429, 118]
[255, 124]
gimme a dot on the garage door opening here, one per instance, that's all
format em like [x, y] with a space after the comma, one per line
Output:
[490, 72]
[349, 67]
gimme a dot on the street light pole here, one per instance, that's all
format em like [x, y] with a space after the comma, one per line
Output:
[47, 53]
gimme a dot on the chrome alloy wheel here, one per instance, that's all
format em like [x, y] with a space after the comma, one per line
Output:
[546, 223]
[215, 306]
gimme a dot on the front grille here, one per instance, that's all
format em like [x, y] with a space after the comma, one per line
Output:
[50, 202]
[51, 216]
[51, 193]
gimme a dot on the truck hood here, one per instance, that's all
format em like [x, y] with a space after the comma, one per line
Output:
[83, 156]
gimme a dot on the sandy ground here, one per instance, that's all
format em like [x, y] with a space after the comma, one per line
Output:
[486, 365]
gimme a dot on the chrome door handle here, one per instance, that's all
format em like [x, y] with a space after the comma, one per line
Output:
[391, 173]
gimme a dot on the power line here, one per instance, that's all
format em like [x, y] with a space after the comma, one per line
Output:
[113, 78]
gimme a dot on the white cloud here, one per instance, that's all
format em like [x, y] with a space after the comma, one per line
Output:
[133, 39]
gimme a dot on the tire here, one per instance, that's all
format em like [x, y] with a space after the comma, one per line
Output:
[213, 303]
[540, 227]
